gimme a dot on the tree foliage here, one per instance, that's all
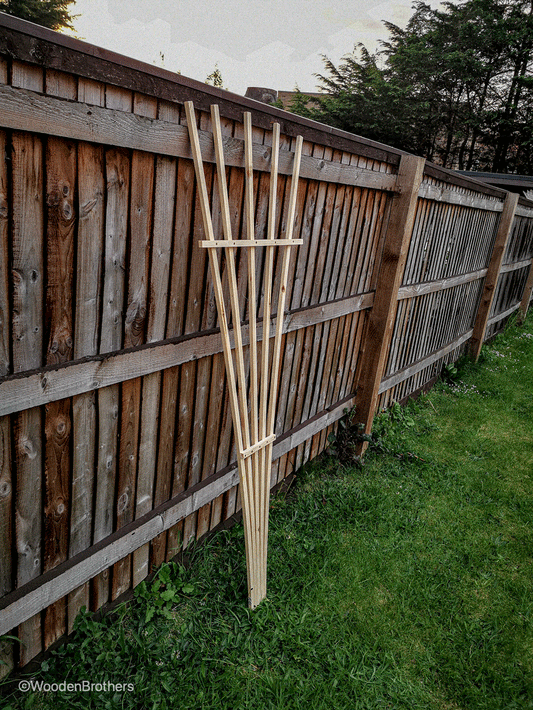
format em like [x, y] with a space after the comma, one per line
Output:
[455, 86]
[48, 13]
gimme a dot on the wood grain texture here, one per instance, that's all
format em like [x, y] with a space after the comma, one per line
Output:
[453, 197]
[5, 338]
[26, 76]
[27, 344]
[175, 325]
[393, 259]
[111, 335]
[6, 457]
[61, 164]
[135, 326]
[90, 247]
[6, 530]
[164, 195]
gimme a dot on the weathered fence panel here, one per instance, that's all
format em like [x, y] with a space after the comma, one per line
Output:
[116, 442]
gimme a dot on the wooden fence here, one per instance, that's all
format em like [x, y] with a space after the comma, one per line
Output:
[116, 444]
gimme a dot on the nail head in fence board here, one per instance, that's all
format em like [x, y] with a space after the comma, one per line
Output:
[382, 315]
[491, 279]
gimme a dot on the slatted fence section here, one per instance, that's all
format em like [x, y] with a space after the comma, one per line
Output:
[515, 270]
[449, 253]
[116, 442]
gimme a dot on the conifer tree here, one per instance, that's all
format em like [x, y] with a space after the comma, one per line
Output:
[455, 86]
[48, 13]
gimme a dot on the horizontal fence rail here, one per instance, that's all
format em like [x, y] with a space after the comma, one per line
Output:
[116, 442]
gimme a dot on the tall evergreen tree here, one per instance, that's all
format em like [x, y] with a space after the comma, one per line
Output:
[48, 13]
[455, 85]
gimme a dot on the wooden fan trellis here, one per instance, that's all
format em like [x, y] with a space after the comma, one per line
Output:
[253, 403]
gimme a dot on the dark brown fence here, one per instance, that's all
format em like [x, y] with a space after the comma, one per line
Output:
[116, 444]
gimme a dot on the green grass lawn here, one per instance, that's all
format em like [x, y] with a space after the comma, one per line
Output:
[407, 583]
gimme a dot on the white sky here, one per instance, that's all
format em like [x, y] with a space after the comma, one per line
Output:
[269, 43]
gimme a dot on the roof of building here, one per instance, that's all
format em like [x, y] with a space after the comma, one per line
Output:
[513, 183]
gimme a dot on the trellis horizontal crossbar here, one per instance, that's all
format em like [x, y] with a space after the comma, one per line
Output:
[256, 447]
[214, 243]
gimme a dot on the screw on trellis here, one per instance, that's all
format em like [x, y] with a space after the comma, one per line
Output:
[253, 404]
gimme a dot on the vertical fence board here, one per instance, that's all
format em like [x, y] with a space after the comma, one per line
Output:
[27, 76]
[90, 244]
[6, 483]
[28, 274]
[116, 220]
[90, 250]
[165, 187]
[167, 483]
[526, 297]
[6, 531]
[5, 357]
[141, 197]
[60, 192]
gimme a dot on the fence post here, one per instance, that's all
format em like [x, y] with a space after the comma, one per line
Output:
[526, 297]
[391, 268]
[491, 279]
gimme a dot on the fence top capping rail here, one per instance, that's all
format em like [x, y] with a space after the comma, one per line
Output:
[27, 42]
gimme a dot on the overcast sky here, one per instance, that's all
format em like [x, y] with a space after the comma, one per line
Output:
[270, 43]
